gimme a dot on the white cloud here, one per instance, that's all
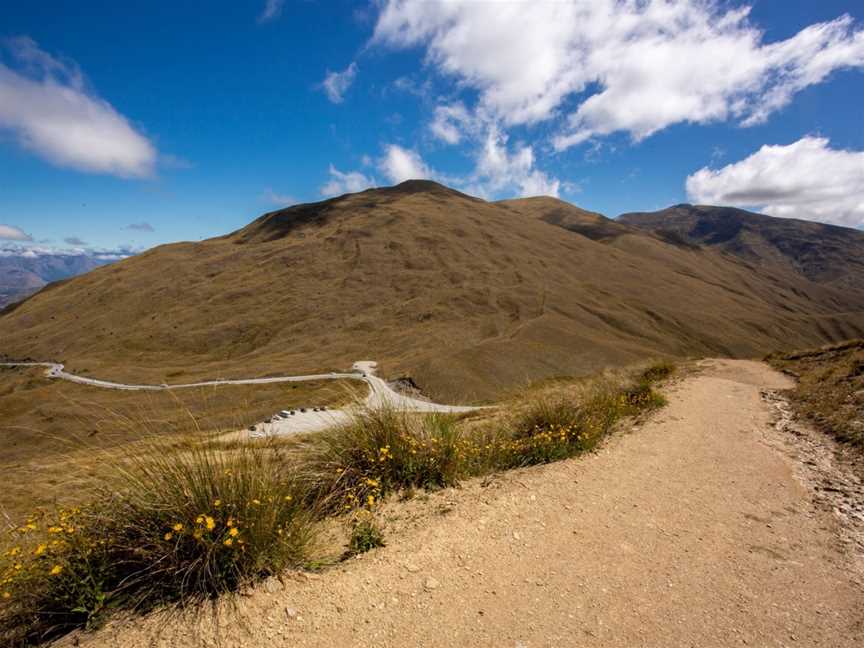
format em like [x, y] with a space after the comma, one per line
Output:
[336, 84]
[271, 11]
[451, 121]
[12, 233]
[499, 170]
[143, 226]
[342, 183]
[48, 107]
[645, 64]
[806, 179]
[400, 164]
[279, 199]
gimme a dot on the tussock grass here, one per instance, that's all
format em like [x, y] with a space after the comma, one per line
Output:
[180, 522]
[168, 526]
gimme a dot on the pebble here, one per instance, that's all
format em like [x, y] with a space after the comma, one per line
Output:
[431, 584]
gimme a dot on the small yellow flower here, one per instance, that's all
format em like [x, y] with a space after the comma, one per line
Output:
[198, 534]
[288, 498]
[199, 519]
[228, 542]
[40, 549]
[209, 522]
[234, 532]
[256, 502]
[370, 500]
[230, 522]
[178, 527]
[168, 535]
[56, 569]
[217, 503]
[55, 529]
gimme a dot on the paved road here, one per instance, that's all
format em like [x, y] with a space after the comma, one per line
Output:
[380, 394]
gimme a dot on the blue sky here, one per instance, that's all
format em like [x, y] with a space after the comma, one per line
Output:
[125, 125]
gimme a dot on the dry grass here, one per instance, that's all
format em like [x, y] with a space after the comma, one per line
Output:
[180, 520]
[830, 389]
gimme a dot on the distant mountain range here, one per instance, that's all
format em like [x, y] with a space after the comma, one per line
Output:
[469, 298]
[22, 275]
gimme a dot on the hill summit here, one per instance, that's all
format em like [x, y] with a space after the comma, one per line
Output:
[465, 296]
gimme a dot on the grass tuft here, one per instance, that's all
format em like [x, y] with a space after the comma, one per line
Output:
[169, 526]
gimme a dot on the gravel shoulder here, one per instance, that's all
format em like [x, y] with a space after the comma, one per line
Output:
[696, 528]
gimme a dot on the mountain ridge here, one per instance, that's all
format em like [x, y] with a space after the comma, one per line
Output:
[468, 298]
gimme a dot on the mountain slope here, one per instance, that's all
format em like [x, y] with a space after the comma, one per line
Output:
[826, 254]
[467, 297]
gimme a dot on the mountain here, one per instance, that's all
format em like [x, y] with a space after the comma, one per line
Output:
[22, 275]
[468, 298]
[826, 254]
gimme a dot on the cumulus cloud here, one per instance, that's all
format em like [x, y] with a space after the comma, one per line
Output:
[46, 104]
[400, 164]
[451, 121]
[342, 183]
[140, 227]
[498, 170]
[336, 84]
[643, 66]
[271, 11]
[12, 233]
[806, 179]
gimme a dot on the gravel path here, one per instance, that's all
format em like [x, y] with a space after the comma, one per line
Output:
[694, 530]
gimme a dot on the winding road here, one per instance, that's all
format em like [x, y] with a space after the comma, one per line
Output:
[380, 394]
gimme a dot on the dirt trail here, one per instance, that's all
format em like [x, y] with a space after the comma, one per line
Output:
[694, 530]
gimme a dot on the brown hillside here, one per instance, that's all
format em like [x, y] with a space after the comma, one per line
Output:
[466, 296]
[823, 253]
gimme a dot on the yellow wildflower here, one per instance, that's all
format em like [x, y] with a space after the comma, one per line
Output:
[230, 522]
[209, 522]
[228, 542]
[217, 503]
[256, 502]
[40, 549]
[370, 500]
[56, 569]
[234, 532]
[168, 535]
[178, 527]
[199, 519]
[288, 498]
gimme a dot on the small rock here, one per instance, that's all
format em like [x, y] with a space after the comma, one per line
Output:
[291, 613]
[272, 585]
[431, 584]
[412, 568]
[517, 535]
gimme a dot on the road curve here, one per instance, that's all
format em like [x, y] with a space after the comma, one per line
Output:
[380, 393]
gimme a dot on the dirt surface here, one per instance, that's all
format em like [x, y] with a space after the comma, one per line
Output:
[698, 528]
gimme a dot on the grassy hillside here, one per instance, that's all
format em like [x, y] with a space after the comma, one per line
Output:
[467, 297]
[830, 390]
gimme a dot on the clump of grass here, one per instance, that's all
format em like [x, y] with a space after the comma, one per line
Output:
[365, 536]
[169, 527]
[657, 372]
[379, 451]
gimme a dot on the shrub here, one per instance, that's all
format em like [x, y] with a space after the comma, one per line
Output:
[365, 536]
[169, 527]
